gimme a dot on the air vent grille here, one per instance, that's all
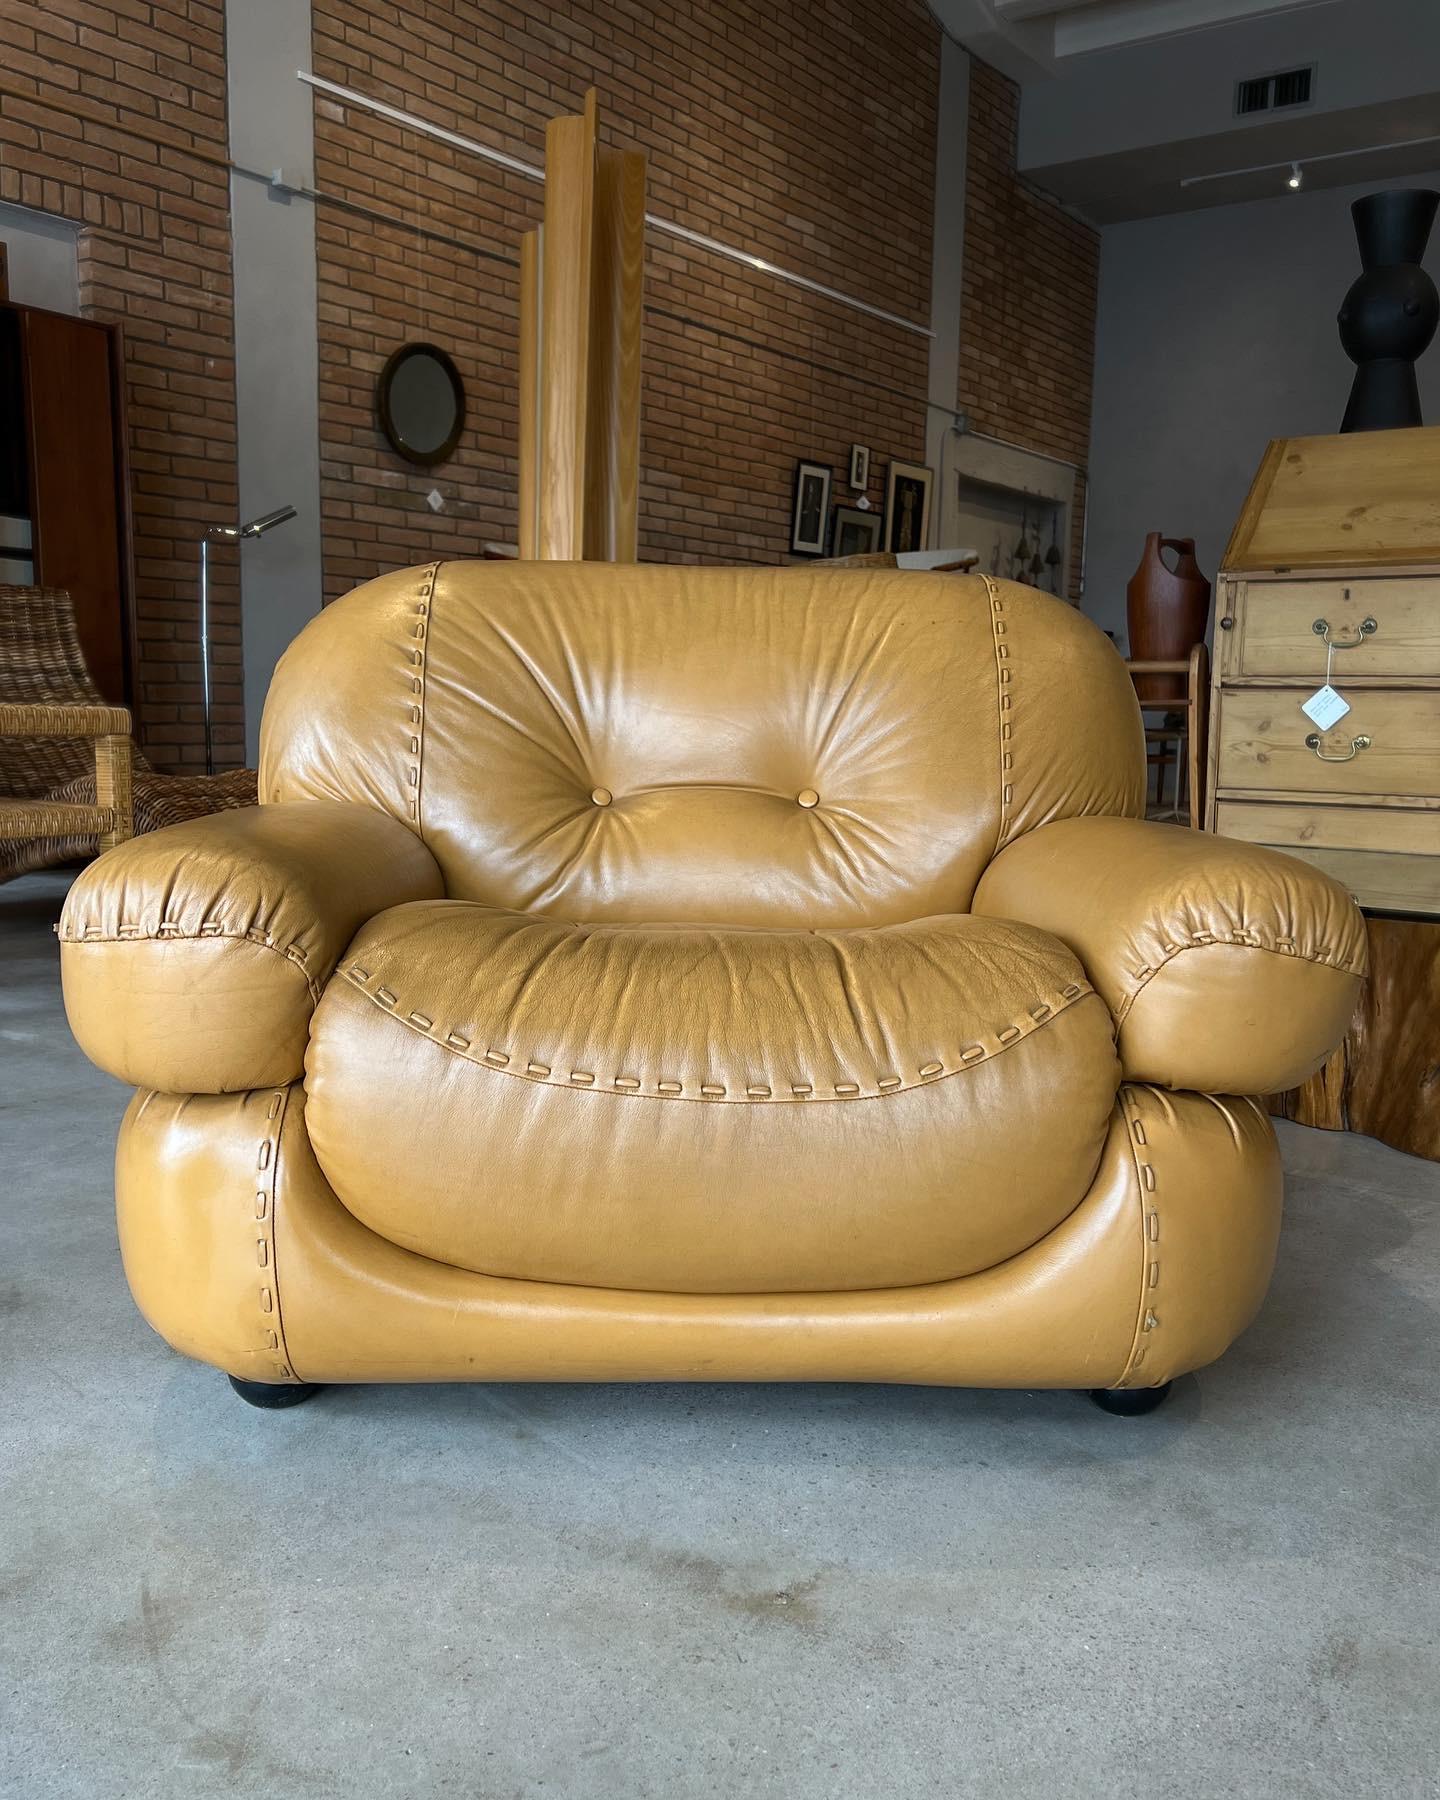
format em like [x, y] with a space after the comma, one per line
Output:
[1292, 88]
[1254, 95]
[1271, 93]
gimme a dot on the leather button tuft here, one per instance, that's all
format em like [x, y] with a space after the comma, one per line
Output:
[808, 797]
[601, 796]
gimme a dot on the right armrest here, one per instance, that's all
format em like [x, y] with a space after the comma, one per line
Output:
[192, 958]
[1228, 968]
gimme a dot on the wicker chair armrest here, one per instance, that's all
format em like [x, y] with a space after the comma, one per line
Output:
[63, 719]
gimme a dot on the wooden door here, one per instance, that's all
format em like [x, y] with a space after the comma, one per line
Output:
[75, 499]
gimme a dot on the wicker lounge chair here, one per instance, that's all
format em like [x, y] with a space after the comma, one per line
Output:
[71, 780]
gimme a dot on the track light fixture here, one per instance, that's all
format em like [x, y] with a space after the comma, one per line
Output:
[1295, 176]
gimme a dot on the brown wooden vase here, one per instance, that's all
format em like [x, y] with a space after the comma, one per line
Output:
[1167, 611]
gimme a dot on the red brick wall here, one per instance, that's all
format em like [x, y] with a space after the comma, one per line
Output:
[1027, 325]
[106, 114]
[804, 135]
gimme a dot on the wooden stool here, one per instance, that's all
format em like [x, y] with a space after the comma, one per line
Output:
[1188, 736]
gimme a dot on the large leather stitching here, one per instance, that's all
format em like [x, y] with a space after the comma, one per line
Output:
[1003, 724]
[1146, 1184]
[386, 1001]
[419, 660]
[1247, 938]
[267, 1182]
[291, 953]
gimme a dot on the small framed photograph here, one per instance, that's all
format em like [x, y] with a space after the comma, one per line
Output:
[855, 533]
[860, 467]
[810, 514]
[907, 507]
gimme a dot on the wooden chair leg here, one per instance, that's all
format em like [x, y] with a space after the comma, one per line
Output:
[114, 788]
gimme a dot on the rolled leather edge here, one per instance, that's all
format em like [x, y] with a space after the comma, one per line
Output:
[192, 958]
[188, 1015]
[239, 1254]
[1234, 1019]
[1228, 967]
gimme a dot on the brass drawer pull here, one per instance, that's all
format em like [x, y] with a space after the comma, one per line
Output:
[1321, 628]
[1312, 742]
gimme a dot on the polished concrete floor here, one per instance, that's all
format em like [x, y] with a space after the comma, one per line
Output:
[686, 1592]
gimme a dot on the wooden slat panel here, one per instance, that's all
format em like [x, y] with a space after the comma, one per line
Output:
[1288, 827]
[1278, 636]
[566, 255]
[612, 498]
[1379, 879]
[530, 364]
[1262, 747]
[1362, 499]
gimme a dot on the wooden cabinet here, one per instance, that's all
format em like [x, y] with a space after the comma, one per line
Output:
[1333, 575]
[64, 515]
[1310, 593]
[1388, 853]
[1386, 749]
[1386, 625]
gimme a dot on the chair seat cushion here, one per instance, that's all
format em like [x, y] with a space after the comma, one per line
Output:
[708, 1109]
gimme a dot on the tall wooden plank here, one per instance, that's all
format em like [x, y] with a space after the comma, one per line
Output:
[531, 362]
[566, 276]
[612, 488]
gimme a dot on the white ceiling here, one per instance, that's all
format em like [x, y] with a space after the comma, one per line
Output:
[1076, 27]
[1128, 106]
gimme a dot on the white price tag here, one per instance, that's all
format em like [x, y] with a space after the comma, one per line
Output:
[1325, 707]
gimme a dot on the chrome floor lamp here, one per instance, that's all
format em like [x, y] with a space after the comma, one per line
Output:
[224, 534]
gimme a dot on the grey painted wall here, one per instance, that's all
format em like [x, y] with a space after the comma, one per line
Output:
[276, 358]
[1215, 333]
[41, 254]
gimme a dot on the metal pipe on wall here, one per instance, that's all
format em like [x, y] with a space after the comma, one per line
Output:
[532, 172]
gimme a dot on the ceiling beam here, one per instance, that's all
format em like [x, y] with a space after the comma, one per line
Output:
[1112, 24]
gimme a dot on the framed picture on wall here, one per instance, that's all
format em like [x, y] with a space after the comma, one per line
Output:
[810, 512]
[855, 533]
[860, 467]
[907, 507]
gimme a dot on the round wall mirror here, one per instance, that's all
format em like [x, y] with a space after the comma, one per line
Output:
[420, 399]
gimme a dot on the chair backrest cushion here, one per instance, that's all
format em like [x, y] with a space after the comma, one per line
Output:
[741, 746]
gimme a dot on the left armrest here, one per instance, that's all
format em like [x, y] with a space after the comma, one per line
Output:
[1228, 968]
[193, 957]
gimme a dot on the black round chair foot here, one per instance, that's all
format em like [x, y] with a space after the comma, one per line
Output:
[1129, 1403]
[273, 1394]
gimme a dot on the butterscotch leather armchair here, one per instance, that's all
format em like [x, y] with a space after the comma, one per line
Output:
[702, 974]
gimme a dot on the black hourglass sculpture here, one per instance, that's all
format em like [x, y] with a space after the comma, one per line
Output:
[1389, 316]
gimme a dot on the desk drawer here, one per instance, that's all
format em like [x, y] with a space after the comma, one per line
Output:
[1278, 635]
[1387, 856]
[1263, 749]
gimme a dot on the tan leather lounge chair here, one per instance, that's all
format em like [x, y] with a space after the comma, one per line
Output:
[701, 974]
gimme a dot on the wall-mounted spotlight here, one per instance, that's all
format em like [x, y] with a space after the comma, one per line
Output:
[1295, 177]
